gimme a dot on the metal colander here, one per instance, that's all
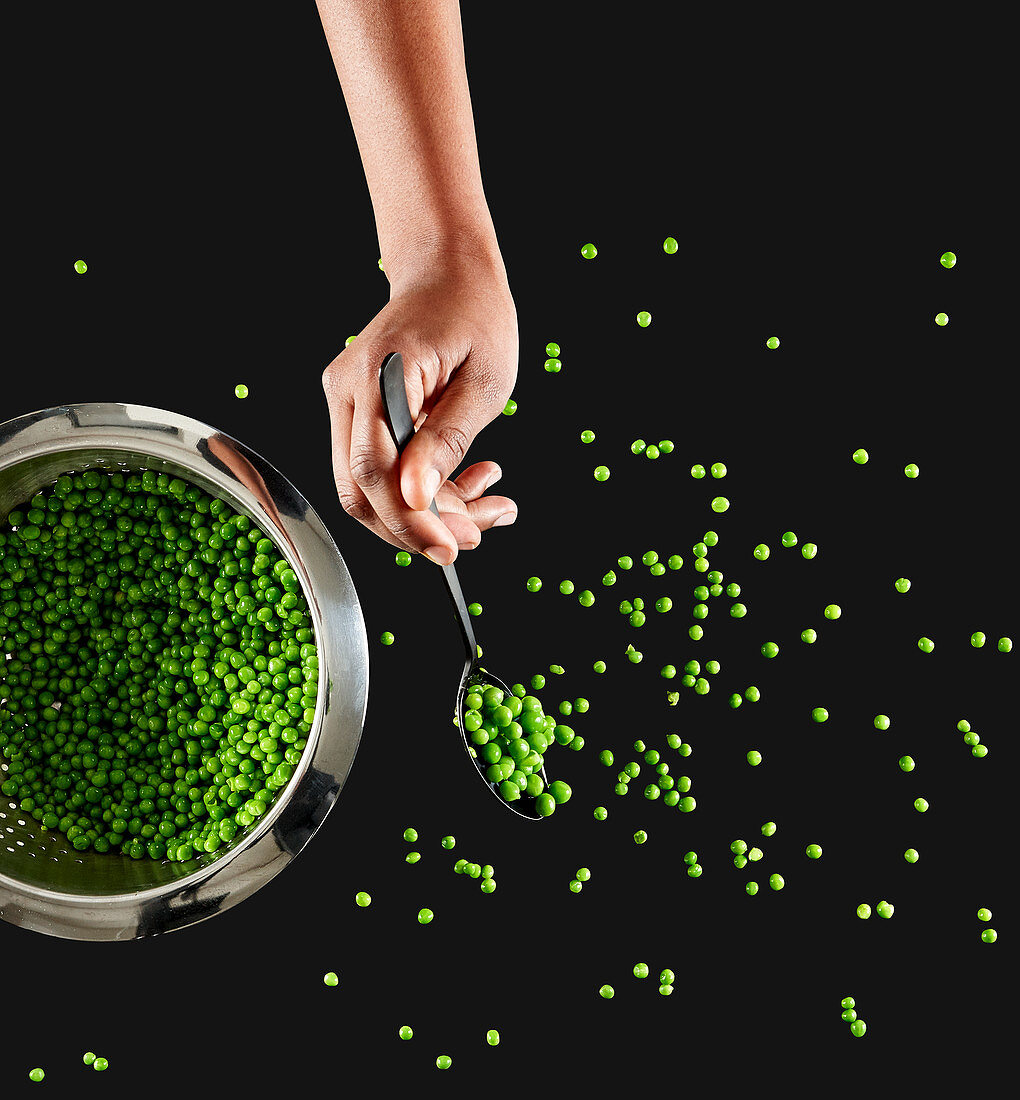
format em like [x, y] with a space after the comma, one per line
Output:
[47, 885]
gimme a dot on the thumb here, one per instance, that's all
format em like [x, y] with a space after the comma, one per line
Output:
[470, 400]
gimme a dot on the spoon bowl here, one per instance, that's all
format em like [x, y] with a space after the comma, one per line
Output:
[398, 418]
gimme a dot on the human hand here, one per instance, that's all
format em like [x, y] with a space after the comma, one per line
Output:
[453, 320]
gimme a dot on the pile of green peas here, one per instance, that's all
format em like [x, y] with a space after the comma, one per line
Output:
[158, 669]
[510, 734]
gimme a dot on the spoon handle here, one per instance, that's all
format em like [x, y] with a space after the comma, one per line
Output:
[398, 418]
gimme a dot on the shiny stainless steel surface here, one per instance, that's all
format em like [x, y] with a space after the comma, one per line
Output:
[45, 884]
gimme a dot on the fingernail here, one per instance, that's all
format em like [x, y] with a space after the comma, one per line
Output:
[493, 479]
[505, 519]
[433, 479]
[441, 555]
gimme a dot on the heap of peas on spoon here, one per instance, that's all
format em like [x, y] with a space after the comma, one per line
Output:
[509, 733]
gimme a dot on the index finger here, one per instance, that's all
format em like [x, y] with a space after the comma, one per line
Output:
[375, 467]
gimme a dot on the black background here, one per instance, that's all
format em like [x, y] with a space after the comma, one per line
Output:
[202, 162]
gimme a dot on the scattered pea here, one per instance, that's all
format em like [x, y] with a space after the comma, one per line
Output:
[363, 899]
[669, 246]
[37, 1074]
[81, 266]
[552, 349]
[942, 319]
[241, 390]
[587, 436]
[761, 552]
[921, 805]
[984, 914]
[885, 909]
[720, 504]
[1004, 645]
[864, 910]
[751, 888]
[644, 318]
[492, 1037]
[813, 851]
[754, 758]
[860, 456]
[601, 473]
[444, 1061]
[331, 978]
[808, 550]
[768, 829]
[906, 763]
[534, 584]
[772, 343]
[989, 935]
[776, 881]
[820, 714]
[925, 645]
[553, 365]
[902, 584]
[640, 836]
[425, 915]
[386, 637]
[882, 721]
[600, 813]
[911, 855]
[405, 1032]
[697, 471]
[607, 992]
[510, 407]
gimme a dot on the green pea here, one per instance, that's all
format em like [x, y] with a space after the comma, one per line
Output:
[386, 638]
[820, 714]
[553, 365]
[984, 914]
[901, 584]
[644, 318]
[925, 645]
[832, 611]
[552, 349]
[698, 471]
[534, 584]
[607, 992]
[882, 721]
[600, 813]
[670, 246]
[864, 910]
[921, 805]
[405, 1032]
[788, 539]
[587, 436]
[444, 1061]
[737, 610]
[754, 758]
[80, 266]
[1004, 645]
[37, 1074]
[100, 1064]
[808, 550]
[331, 978]
[885, 909]
[948, 259]
[403, 558]
[906, 763]
[666, 446]
[640, 836]
[601, 473]
[719, 504]
[772, 343]
[425, 916]
[977, 639]
[769, 649]
[860, 456]
[474, 609]
[492, 1038]
[599, 666]
[241, 390]
[640, 970]
[363, 899]
[813, 851]
[911, 855]
[989, 935]
[751, 888]
[448, 842]
[776, 882]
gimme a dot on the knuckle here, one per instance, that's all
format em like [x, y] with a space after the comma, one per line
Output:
[366, 470]
[354, 504]
[454, 440]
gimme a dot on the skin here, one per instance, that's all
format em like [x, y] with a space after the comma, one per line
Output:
[450, 312]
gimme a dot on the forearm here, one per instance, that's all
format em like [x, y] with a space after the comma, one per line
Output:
[401, 67]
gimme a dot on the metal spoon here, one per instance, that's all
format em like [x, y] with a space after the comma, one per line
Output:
[398, 418]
